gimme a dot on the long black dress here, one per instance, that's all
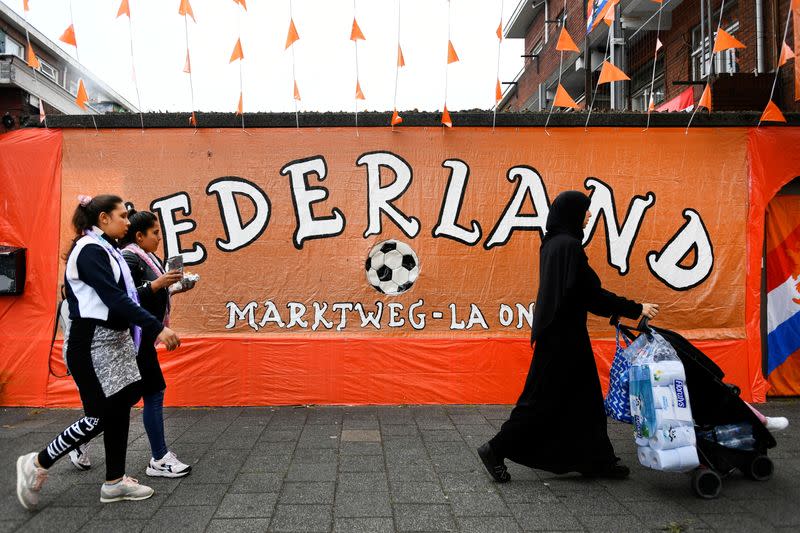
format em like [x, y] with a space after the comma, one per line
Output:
[559, 423]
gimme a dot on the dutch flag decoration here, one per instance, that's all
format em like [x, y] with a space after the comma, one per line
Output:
[783, 282]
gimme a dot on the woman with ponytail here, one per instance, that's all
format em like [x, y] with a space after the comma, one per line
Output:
[106, 329]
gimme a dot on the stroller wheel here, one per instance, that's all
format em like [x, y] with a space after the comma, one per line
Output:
[706, 483]
[760, 468]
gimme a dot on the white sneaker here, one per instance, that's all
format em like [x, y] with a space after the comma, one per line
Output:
[167, 466]
[30, 479]
[79, 457]
[125, 489]
[777, 423]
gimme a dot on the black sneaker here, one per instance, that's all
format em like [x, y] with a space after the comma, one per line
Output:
[496, 468]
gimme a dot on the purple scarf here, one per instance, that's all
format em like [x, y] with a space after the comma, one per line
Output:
[156, 267]
[130, 288]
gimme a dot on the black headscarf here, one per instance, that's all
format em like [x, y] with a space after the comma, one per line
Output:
[560, 256]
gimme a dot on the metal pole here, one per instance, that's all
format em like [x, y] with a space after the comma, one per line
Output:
[702, 37]
[711, 69]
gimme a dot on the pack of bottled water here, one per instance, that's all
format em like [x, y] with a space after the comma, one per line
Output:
[660, 407]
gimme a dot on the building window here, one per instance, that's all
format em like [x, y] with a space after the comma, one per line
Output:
[536, 50]
[724, 62]
[12, 47]
[641, 80]
[48, 71]
[73, 88]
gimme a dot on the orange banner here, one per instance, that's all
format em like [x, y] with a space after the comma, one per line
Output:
[295, 235]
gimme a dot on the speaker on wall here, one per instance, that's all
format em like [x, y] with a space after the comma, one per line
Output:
[12, 270]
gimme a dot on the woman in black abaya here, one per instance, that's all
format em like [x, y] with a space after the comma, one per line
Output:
[559, 423]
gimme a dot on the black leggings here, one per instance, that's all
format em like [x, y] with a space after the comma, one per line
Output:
[114, 427]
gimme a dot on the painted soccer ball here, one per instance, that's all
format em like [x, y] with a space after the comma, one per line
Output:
[392, 267]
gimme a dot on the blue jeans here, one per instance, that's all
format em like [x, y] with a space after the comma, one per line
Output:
[153, 420]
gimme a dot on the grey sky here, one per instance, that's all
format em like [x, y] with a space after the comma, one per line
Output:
[324, 55]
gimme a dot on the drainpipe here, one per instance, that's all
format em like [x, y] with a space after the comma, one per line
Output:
[546, 18]
[760, 35]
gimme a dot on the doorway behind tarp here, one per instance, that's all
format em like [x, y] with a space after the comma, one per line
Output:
[783, 292]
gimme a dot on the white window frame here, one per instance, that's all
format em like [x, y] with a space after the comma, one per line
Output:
[48, 71]
[20, 50]
[724, 62]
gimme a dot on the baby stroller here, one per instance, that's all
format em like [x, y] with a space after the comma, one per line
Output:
[715, 404]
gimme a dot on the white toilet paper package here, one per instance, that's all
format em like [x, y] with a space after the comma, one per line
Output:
[660, 407]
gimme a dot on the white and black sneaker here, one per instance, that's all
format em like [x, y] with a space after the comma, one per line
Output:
[79, 457]
[167, 466]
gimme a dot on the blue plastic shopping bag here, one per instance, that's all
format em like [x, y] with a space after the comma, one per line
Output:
[617, 402]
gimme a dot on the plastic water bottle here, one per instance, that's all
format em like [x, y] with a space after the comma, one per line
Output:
[733, 431]
[740, 443]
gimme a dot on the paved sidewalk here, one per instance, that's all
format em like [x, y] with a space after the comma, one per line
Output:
[409, 468]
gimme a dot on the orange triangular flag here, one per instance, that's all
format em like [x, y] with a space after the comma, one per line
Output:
[355, 33]
[396, 119]
[608, 18]
[498, 92]
[500, 30]
[240, 107]
[193, 119]
[652, 106]
[293, 35]
[566, 43]
[786, 55]
[446, 120]
[611, 73]
[42, 115]
[296, 91]
[772, 113]
[401, 61]
[452, 57]
[33, 61]
[563, 99]
[81, 97]
[187, 67]
[241, 3]
[237, 51]
[359, 93]
[659, 44]
[25, 5]
[69, 36]
[124, 9]
[186, 9]
[705, 98]
[726, 41]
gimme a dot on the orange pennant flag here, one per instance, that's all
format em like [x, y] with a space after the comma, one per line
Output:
[659, 44]
[81, 97]
[359, 93]
[786, 55]
[500, 30]
[355, 33]
[563, 99]
[705, 98]
[237, 51]
[452, 57]
[42, 114]
[566, 43]
[652, 106]
[241, 3]
[296, 91]
[772, 113]
[240, 107]
[498, 92]
[611, 73]
[446, 120]
[401, 61]
[396, 118]
[726, 41]
[69, 36]
[608, 18]
[25, 5]
[187, 67]
[186, 9]
[193, 119]
[124, 9]
[33, 61]
[292, 36]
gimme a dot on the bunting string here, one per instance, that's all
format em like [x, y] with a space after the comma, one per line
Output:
[186, 10]
[355, 35]
[498, 94]
[652, 101]
[291, 38]
[606, 57]
[784, 56]
[34, 63]
[452, 57]
[82, 99]
[396, 119]
[124, 9]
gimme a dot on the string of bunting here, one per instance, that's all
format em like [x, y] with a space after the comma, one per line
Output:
[609, 72]
[34, 63]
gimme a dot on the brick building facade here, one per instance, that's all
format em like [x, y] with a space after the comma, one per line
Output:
[738, 83]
